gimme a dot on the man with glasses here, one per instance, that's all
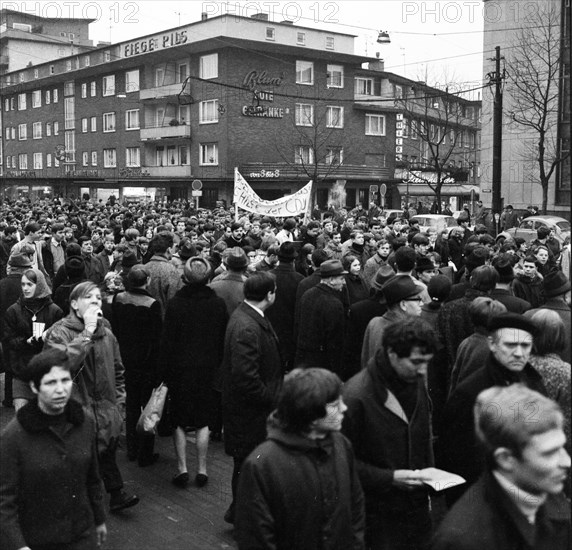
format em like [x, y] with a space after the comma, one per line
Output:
[388, 423]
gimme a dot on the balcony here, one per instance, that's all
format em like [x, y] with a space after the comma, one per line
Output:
[161, 92]
[4, 60]
[181, 131]
[169, 171]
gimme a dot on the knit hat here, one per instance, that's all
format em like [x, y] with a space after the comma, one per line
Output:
[503, 265]
[399, 288]
[383, 275]
[197, 271]
[235, 258]
[287, 251]
[512, 320]
[19, 260]
[555, 284]
[74, 267]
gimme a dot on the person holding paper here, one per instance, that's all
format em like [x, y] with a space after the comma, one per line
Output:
[388, 422]
[518, 501]
[24, 326]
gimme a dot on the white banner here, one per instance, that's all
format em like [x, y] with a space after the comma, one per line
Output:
[291, 205]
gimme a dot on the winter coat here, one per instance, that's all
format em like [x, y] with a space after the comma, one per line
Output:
[299, 493]
[230, 287]
[486, 518]
[385, 439]
[192, 343]
[510, 301]
[471, 356]
[50, 489]
[458, 450]
[371, 267]
[531, 290]
[282, 312]
[165, 280]
[99, 383]
[321, 329]
[252, 377]
[356, 288]
[18, 328]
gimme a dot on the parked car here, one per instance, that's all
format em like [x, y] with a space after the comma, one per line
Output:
[434, 222]
[528, 227]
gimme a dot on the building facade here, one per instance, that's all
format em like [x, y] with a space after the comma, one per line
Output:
[506, 25]
[147, 117]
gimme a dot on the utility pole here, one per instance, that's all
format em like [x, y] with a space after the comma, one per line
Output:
[497, 79]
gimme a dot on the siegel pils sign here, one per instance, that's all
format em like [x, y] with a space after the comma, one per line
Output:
[161, 42]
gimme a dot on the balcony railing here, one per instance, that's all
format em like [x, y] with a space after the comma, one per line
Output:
[179, 131]
[161, 92]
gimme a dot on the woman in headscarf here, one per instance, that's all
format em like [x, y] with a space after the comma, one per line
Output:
[24, 326]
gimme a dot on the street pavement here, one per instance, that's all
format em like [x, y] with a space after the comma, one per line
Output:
[169, 518]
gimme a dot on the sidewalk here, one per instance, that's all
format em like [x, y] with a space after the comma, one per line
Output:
[169, 518]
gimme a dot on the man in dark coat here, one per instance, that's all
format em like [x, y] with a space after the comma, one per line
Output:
[322, 321]
[502, 292]
[299, 489]
[281, 314]
[518, 501]
[252, 374]
[388, 422]
[510, 345]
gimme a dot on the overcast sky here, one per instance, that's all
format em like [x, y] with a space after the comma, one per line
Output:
[442, 40]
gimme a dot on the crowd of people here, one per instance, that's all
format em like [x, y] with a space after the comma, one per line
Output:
[340, 357]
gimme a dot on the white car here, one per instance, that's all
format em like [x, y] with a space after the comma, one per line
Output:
[434, 223]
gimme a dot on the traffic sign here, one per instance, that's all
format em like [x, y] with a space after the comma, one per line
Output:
[197, 185]
[196, 193]
[373, 189]
[383, 189]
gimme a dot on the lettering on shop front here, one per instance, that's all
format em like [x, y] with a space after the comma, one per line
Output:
[162, 42]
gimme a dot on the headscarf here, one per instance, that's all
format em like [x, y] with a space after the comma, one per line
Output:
[42, 288]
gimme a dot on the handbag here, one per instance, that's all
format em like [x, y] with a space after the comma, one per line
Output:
[151, 414]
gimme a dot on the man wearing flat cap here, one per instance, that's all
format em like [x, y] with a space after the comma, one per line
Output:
[403, 298]
[322, 321]
[510, 344]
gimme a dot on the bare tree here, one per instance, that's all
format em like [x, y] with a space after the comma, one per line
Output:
[435, 123]
[533, 65]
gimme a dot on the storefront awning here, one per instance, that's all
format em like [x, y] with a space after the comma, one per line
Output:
[420, 189]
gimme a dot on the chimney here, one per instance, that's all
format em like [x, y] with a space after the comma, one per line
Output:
[378, 65]
[204, 16]
[260, 16]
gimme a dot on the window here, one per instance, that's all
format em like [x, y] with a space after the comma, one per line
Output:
[85, 158]
[37, 130]
[209, 154]
[132, 81]
[209, 66]
[94, 158]
[12, 104]
[364, 86]
[52, 69]
[414, 132]
[93, 123]
[48, 97]
[472, 140]
[22, 132]
[132, 119]
[8, 161]
[304, 72]
[108, 85]
[36, 99]
[84, 90]
[22, 77]
[48, 160]
[21, 102]
[109, 122]
[38, 161]
[335, 117]
[69, 142]
[7, 133]
[208, 112]
[398, 92]
[301, 38]
[405, 128]
[334, 155]
[23, 161]
[374, 125]
[69, 113]
[109, 158]
[56, 128]
[6, 105]
[84, 125]
[68, 65]
[13, 132]
[36, 73]
[107, 56]
[184, 155]
[330, 43]
[69, 88]
[182, 72]
[48, 128]
[303, 155]
[92, 89]
[304, 114]
[55, 95]
[270, 33]
[132, 158]
[335, 76]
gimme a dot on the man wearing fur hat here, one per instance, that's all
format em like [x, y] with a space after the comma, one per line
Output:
[510, 344]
